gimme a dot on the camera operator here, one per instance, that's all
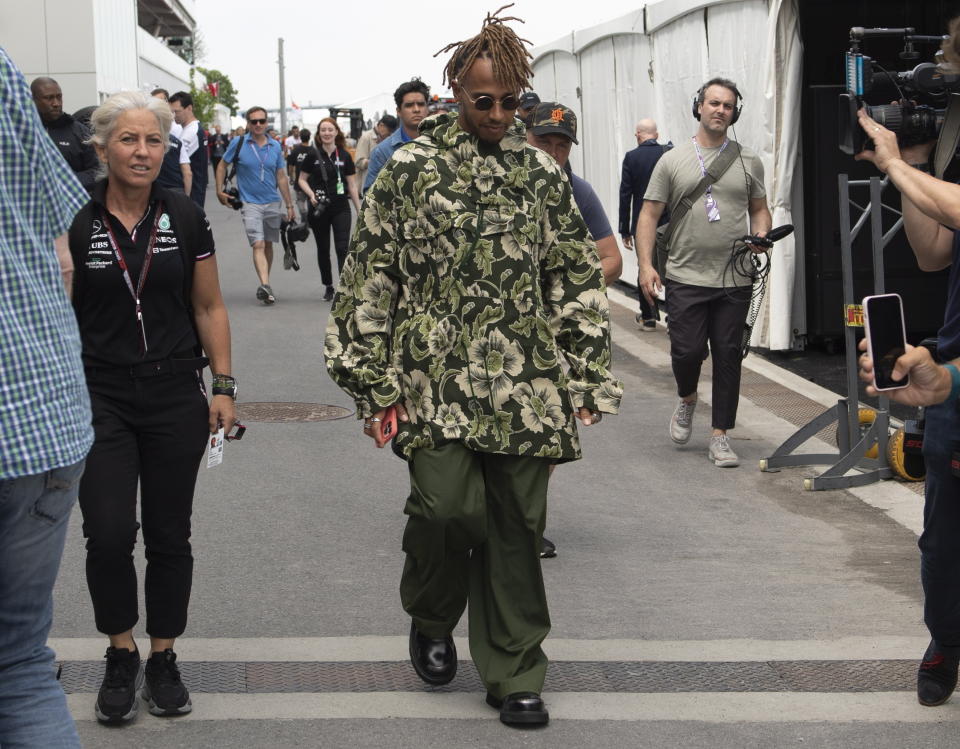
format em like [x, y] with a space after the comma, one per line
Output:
[931, 213]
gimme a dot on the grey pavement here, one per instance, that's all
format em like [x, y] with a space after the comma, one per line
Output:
[691, 605]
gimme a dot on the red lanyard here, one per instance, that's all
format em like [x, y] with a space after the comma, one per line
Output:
[137, 292]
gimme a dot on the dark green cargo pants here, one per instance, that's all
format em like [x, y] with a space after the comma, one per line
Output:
[474, 529]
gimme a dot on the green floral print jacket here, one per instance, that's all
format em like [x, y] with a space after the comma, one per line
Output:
[470, 283]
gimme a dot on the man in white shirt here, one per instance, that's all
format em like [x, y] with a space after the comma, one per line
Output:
[193, 152]
[171, 171]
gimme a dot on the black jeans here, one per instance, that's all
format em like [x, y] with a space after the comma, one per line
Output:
[151, 430]
[337, 217]
[698, 314]
[939, 549]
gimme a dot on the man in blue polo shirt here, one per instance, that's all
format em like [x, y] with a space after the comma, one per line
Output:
[411, 98]
[261, 180]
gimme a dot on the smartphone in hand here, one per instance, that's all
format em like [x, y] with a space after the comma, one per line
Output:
[388, 428]
[886, 338]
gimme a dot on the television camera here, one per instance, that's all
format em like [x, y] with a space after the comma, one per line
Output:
[922, 92]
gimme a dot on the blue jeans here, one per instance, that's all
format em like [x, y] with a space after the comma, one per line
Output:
[34, 511]
[939, 545]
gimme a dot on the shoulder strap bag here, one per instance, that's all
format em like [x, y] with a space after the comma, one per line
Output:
[715, 171]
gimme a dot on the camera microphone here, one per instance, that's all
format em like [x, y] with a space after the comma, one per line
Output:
[773, 235]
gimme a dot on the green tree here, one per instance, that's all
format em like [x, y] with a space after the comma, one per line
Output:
[203, 100]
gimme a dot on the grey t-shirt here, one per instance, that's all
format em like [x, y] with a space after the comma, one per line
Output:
[700, 249]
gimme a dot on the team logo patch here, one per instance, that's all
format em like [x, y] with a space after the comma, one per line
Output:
[164, 222]
[556, 115]
[96, 227]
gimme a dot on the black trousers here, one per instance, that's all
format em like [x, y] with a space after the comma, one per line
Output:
[939, 550]
[698, 314]
[152, 431]
[336, 217]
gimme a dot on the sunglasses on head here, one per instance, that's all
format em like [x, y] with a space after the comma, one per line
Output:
[485, 102]
[258, 121]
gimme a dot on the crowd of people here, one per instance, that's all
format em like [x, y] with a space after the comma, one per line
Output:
[470, 325]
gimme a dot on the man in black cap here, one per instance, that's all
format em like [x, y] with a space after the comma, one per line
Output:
[552, 127]
[527, 102]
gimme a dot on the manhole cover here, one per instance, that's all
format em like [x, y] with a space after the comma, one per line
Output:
[291, 412]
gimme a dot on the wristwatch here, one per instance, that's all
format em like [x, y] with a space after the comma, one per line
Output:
[225, 385]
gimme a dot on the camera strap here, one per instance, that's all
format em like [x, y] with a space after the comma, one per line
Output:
[949, 137]
[714, 172]
[232, 171]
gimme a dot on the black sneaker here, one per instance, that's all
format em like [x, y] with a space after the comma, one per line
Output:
[328, 294]
[117, 700]
[163, 690]
[937, 676]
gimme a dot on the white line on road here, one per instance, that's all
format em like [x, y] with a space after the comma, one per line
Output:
[706, 707]
[377, 649]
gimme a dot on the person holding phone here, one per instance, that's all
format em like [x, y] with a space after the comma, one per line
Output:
[471, 282]
[931, 216]
[147, 298]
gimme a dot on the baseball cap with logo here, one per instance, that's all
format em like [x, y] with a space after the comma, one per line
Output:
[550, 117]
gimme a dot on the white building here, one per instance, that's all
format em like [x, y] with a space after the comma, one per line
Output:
[94, 48]
[649, 63]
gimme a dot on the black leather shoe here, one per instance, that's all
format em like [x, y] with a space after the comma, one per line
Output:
[936, 677]
[520, 709]
[548, 549]
[435, 661]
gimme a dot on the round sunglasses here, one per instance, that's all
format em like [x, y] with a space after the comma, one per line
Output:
[485, 102]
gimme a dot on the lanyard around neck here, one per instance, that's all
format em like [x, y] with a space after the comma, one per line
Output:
[335, 160]
[256, 152]
[136, 292]
[703, 166]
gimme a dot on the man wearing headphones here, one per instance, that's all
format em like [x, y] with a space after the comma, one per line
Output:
[707, 298]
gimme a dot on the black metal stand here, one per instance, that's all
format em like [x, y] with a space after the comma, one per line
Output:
[852, 446]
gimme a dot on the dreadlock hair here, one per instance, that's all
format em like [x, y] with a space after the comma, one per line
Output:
[501, 44]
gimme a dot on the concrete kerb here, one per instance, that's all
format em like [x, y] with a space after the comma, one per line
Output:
[902, 505]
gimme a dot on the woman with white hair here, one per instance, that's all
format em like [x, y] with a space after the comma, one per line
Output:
[147, 297]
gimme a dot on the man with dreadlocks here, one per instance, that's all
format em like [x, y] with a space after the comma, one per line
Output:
[470, 278]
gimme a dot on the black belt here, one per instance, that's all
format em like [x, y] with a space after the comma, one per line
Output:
[173, 365]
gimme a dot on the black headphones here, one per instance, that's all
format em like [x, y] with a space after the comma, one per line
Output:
[701, 93]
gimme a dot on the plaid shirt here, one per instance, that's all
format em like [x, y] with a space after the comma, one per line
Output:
[44, 405]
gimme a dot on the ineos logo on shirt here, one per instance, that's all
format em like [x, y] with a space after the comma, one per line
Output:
[166, 238]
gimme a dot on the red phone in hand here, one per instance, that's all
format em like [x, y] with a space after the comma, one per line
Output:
[388, 428]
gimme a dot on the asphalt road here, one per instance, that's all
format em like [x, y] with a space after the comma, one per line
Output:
[691, 605]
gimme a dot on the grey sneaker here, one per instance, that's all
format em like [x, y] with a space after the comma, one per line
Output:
[265, 294]
[721, 453]
[681, 422]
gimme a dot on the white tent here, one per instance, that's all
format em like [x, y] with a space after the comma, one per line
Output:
[649, 63]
